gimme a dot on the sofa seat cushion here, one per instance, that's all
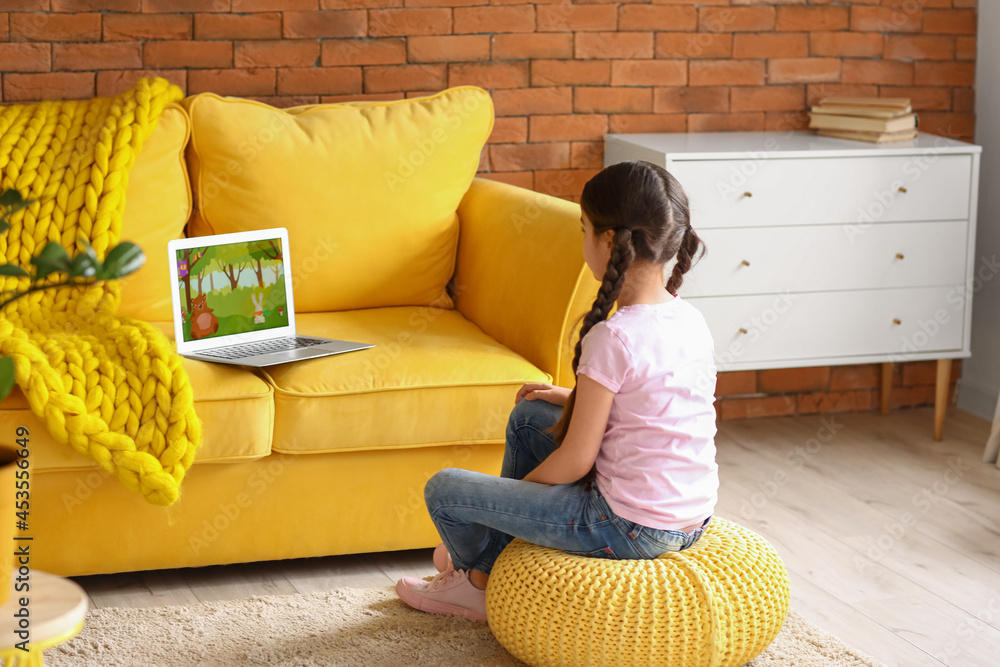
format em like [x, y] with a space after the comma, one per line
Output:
[433, 378]
[234, 404]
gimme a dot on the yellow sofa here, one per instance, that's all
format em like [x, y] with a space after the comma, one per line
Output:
[468, 288]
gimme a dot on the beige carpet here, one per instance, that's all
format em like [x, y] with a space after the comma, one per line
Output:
[346, 628]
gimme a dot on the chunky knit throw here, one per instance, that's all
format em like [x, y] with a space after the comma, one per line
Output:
[111, 387]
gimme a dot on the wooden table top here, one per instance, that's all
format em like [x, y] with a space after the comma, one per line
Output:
[55, 605]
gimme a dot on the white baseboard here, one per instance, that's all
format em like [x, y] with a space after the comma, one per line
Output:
[977, 399]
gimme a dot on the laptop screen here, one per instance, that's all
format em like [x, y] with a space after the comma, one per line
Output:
[231, 288]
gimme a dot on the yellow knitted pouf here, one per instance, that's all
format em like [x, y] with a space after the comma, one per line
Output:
[719, 603]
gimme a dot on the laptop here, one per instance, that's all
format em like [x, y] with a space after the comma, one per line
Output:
[233, 304]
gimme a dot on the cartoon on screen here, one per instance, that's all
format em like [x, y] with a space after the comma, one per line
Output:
[231, 288]
[203, 322]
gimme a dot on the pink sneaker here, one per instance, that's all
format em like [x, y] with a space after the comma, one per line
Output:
[450, 592]
[442, 559]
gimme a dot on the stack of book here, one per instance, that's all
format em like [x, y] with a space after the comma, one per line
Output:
[876, 119]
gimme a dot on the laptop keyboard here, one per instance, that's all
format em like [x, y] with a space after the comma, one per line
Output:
[262, 347]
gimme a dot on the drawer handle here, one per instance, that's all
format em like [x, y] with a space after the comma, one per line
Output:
[899, 255]
[743, 331]
[748, 194]
[902, 190]
[895, 320]
[744, 263]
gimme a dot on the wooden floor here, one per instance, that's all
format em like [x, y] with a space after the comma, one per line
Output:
[892, 540]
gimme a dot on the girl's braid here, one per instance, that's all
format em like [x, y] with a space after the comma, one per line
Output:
[622, 256]
[685, 253]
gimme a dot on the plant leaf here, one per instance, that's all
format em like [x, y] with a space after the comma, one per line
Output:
[10, 197]
[6, 376]
[9, 212]
[13, 270]
[124, 258]
[11, 201]
[52, 258]
[83, 266]
[89, 249]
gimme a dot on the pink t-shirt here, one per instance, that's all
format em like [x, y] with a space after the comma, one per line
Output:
[657, 463]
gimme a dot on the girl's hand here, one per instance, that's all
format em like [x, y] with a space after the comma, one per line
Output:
[534, 391]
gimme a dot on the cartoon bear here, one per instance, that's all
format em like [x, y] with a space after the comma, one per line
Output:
[203, 322]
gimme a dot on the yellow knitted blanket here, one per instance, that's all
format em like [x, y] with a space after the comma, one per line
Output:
[110, 387]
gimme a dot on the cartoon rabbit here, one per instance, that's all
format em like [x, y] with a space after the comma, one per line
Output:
[258, 315]
[203, 321]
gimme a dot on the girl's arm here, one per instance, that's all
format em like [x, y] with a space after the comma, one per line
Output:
[576, 455]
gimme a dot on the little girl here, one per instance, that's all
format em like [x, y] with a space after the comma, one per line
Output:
[623, 466]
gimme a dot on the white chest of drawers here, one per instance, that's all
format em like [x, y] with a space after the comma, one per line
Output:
[825, 251]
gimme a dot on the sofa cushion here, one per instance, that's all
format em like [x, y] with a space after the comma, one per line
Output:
[157, 206]
[433, 378]
[234, 404]
[368, 192]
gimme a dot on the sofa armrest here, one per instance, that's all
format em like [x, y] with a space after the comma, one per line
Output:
[520, 274]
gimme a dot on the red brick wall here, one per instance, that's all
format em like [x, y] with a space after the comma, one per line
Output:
[561, 76]
[821, 389]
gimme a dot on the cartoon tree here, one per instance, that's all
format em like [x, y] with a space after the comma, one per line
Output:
[191, 262]
[203, 267]
[267, 253]
[210, 269]
[232, 260]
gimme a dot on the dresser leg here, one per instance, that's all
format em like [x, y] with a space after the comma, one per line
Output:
[886, 385]
[941, 396]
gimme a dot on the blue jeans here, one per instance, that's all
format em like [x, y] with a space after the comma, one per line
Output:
[477, 515]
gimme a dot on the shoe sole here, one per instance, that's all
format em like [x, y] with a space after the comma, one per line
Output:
[435, 607]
